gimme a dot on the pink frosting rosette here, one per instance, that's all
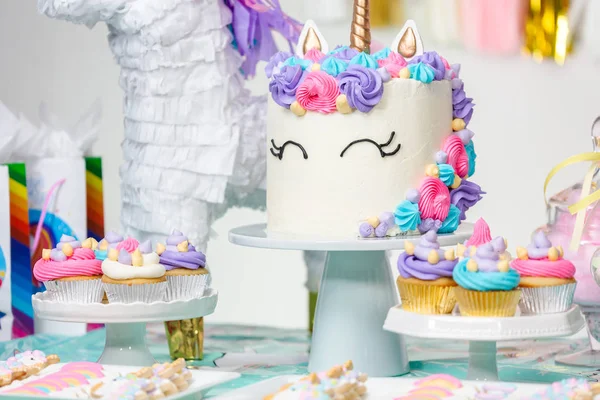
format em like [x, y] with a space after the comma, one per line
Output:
[393, 64]
[314, 55]
[129, 245]
[318, 92]
[434, 201]
[457, 155]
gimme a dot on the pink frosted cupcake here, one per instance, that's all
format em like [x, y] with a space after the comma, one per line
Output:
[547, 279]
[71, 272]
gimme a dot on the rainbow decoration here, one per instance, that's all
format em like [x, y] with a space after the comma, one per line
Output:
[21, 266]
[51, 231]
[70, 375]
[94, 198]
[2, 267]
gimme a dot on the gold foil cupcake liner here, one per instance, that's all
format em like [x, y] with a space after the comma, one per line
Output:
[186, 338]
[426, 299]
[185, 287]
[487, 304]
[84, 291]
[547, 299]
[131, 293]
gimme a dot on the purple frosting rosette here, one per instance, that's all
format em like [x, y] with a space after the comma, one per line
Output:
[417, 266]
[362, 86]
[172, 258]
[284, 84]
[432, 59]
[462, 106]
[466, 196]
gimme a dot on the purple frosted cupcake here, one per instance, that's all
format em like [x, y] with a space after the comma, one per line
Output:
[187, 276]
[425, 282]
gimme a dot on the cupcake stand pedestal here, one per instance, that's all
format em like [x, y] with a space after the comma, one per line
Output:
[483, 332]
[125, 323]
[357, 290]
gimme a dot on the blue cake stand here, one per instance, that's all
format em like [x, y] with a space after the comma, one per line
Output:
[357, 290]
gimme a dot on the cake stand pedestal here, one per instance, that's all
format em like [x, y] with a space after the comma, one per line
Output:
[357, 290]
[125, 323]
[483, 332]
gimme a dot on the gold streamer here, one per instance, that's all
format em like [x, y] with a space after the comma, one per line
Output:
[360, 32]
[186, 338]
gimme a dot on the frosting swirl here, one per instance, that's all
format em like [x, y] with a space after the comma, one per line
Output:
[364, 60]
[433, 60]
[129, 245]
[481, 234]
[314, 55]
[362, 86]
[284, 84]
[82, 263]
[191, 259]
[393, 64]
[275, 62]
[382, 54]
[407, 216]
[417, 266]
[466, 196]
[472, 156]
[461, 104]
[421, 72]
[429, 224]
[344, 53]
[435, 199]
[484, 281]
[538, 264]
[318, 92]
[333, 66]
[457, 155]
[452, 221]
[446, 174]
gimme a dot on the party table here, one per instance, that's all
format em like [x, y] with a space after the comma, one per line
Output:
[260, 353]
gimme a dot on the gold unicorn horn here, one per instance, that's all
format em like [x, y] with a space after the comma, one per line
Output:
[360, 32]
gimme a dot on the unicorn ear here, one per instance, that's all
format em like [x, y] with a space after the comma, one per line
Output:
[311, 38]
[408, 42]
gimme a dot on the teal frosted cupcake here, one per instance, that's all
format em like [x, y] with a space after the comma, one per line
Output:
[487, 286]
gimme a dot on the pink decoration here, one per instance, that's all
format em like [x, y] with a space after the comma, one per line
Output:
[129, 245]
[481, 234]
[314, 55]
[82, 263]
[393, 64]
[562, 269]
[446, 63]
[435, 199]
[318, 92]
[457, 155]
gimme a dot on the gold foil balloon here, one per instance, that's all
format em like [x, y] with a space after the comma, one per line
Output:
[547, 30]
[186, 338]
[360, 32]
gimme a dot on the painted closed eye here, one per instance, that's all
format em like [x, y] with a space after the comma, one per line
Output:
[277, 151]
[380, 146]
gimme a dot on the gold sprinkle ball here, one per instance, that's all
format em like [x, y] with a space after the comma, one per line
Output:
[67, 249]
[315, 67]
[46, 254]
[342, 105]
[458, 124]
[472, 265]
[373, 221]
[297, 109]
[404, 73]
[456, 182]
[432, 170]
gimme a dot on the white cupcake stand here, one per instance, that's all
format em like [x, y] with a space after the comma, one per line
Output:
[356, 293]
[483, 332]
[125, 323]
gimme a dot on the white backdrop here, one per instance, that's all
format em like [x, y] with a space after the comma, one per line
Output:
[528, 117]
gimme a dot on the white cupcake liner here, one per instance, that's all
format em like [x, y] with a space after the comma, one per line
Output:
[547, 299]
[82, 291]
[145, 293]
[186, 287]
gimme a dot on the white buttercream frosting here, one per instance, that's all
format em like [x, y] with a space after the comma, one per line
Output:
[118, 271]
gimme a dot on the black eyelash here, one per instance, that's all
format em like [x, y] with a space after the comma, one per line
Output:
[280, 149]
[379, 146]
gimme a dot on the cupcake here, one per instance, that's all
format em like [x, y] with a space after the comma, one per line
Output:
[187, 276]
[132, 272]
[70, 271]
[547, 282]
[425, 282]
[110, 241]
[487, 286]
[482, 235]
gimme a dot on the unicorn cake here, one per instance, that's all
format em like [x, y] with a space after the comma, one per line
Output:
[359, 138]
